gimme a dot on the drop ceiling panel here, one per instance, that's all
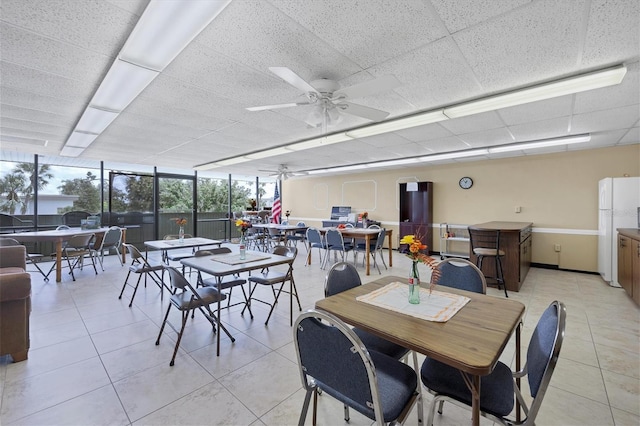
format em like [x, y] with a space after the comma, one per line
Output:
[176, 116]
[141, 123]
[420, 72]
[612, 33]
[452, 143]
[40, 103]
[542, 129]
[537, 111]
[97, 26]
[516, 48]
[55, 132]
[45, 84]
[356, 30]
[613, 119]
[26, 114]
[632, 136]
[270, 38]
[425, 133]
[488, 137]
[623, 94]
[458, 15]
[18, 47]
[484, 121]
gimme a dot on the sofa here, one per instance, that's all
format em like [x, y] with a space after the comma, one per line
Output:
[15, 303]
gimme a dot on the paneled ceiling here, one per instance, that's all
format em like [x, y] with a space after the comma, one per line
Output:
[54, 54]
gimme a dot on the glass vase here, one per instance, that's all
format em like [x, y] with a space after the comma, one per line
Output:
[243, 247]
[181, 234]
[414, 284]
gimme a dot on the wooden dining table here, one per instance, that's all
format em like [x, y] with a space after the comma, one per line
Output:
[471, 341]
[362, 233]
[59, 237]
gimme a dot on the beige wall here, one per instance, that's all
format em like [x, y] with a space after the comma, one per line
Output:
[557, 192]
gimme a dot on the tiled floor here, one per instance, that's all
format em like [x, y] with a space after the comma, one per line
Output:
[93, 359]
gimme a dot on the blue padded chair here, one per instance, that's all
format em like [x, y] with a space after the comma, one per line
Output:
[341, 277]
[498, 388]
[335, 242]
[332, 357]
[375, 247]
[314, 240]
[461, 274]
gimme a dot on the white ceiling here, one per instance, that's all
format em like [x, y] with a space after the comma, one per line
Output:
[54, 54]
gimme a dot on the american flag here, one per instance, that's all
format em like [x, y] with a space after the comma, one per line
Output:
[276, 210]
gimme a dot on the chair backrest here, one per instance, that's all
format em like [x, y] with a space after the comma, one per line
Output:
[177, 279]
[112, 237]
[334, 238]
[284, 222]
[301, 224]
[333, 355]
[80, 241]
[62, 227]
[543, 352]
[176, 236]
[7, 242]
[135, 254]
[285, 251]
[380, 238]
[212, 251]
[374, 226]
[341, 277]
[484, 239]
[461, 274]
[74, 218]
[349, 225]
[313, 236]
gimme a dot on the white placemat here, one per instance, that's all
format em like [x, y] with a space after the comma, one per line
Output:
[234, 259]
[437, 306]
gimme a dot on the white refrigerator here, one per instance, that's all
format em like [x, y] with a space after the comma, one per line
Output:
[619, 199]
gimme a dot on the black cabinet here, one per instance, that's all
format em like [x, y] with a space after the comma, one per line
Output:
[416, 211]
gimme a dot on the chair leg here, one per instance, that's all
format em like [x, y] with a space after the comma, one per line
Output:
[135, 290]
[500, 274]
[305, 406]
[185, 316]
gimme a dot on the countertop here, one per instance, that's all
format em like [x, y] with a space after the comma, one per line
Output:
[630, 232]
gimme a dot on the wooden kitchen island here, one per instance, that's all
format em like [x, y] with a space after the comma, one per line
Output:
[515, 241]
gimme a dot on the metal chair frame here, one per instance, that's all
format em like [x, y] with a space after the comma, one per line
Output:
[141, 266]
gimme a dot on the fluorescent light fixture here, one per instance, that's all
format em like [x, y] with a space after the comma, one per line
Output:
[232, 161]
[81, 139]
[206, 166]
[567, 86]
[122, 84]
[268, 153]
[95, 120]
[20, 139]
[71, 151]
[541, 143]
[339, 169]
[394, 162]
[318, 142]
[455, 154]
[399, 124]
[277, 106]
[165, 28]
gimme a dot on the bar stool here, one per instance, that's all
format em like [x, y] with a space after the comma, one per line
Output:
[487, 244]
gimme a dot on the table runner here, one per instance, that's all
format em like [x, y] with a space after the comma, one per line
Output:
[437, 306]
[234, 259]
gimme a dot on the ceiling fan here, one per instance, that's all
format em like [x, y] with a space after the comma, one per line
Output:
[283, 172]
[330, 100]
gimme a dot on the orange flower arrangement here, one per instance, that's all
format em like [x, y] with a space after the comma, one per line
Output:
[180, 221]
[416, 249]
[243, 225]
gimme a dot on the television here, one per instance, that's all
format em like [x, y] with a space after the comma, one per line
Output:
[340, 212]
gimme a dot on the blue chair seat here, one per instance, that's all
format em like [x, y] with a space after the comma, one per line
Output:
[496, 389]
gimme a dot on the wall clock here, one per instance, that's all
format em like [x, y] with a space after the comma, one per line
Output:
[465, 182]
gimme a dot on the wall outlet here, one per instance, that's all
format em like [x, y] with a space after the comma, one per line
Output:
[556, 247]
[518, 209]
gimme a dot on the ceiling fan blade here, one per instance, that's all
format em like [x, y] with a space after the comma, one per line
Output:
[368, 88]
[293, 79]
[363, 111]
[277, 106]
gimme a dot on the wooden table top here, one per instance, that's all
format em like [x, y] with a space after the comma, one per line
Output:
[471, 341]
